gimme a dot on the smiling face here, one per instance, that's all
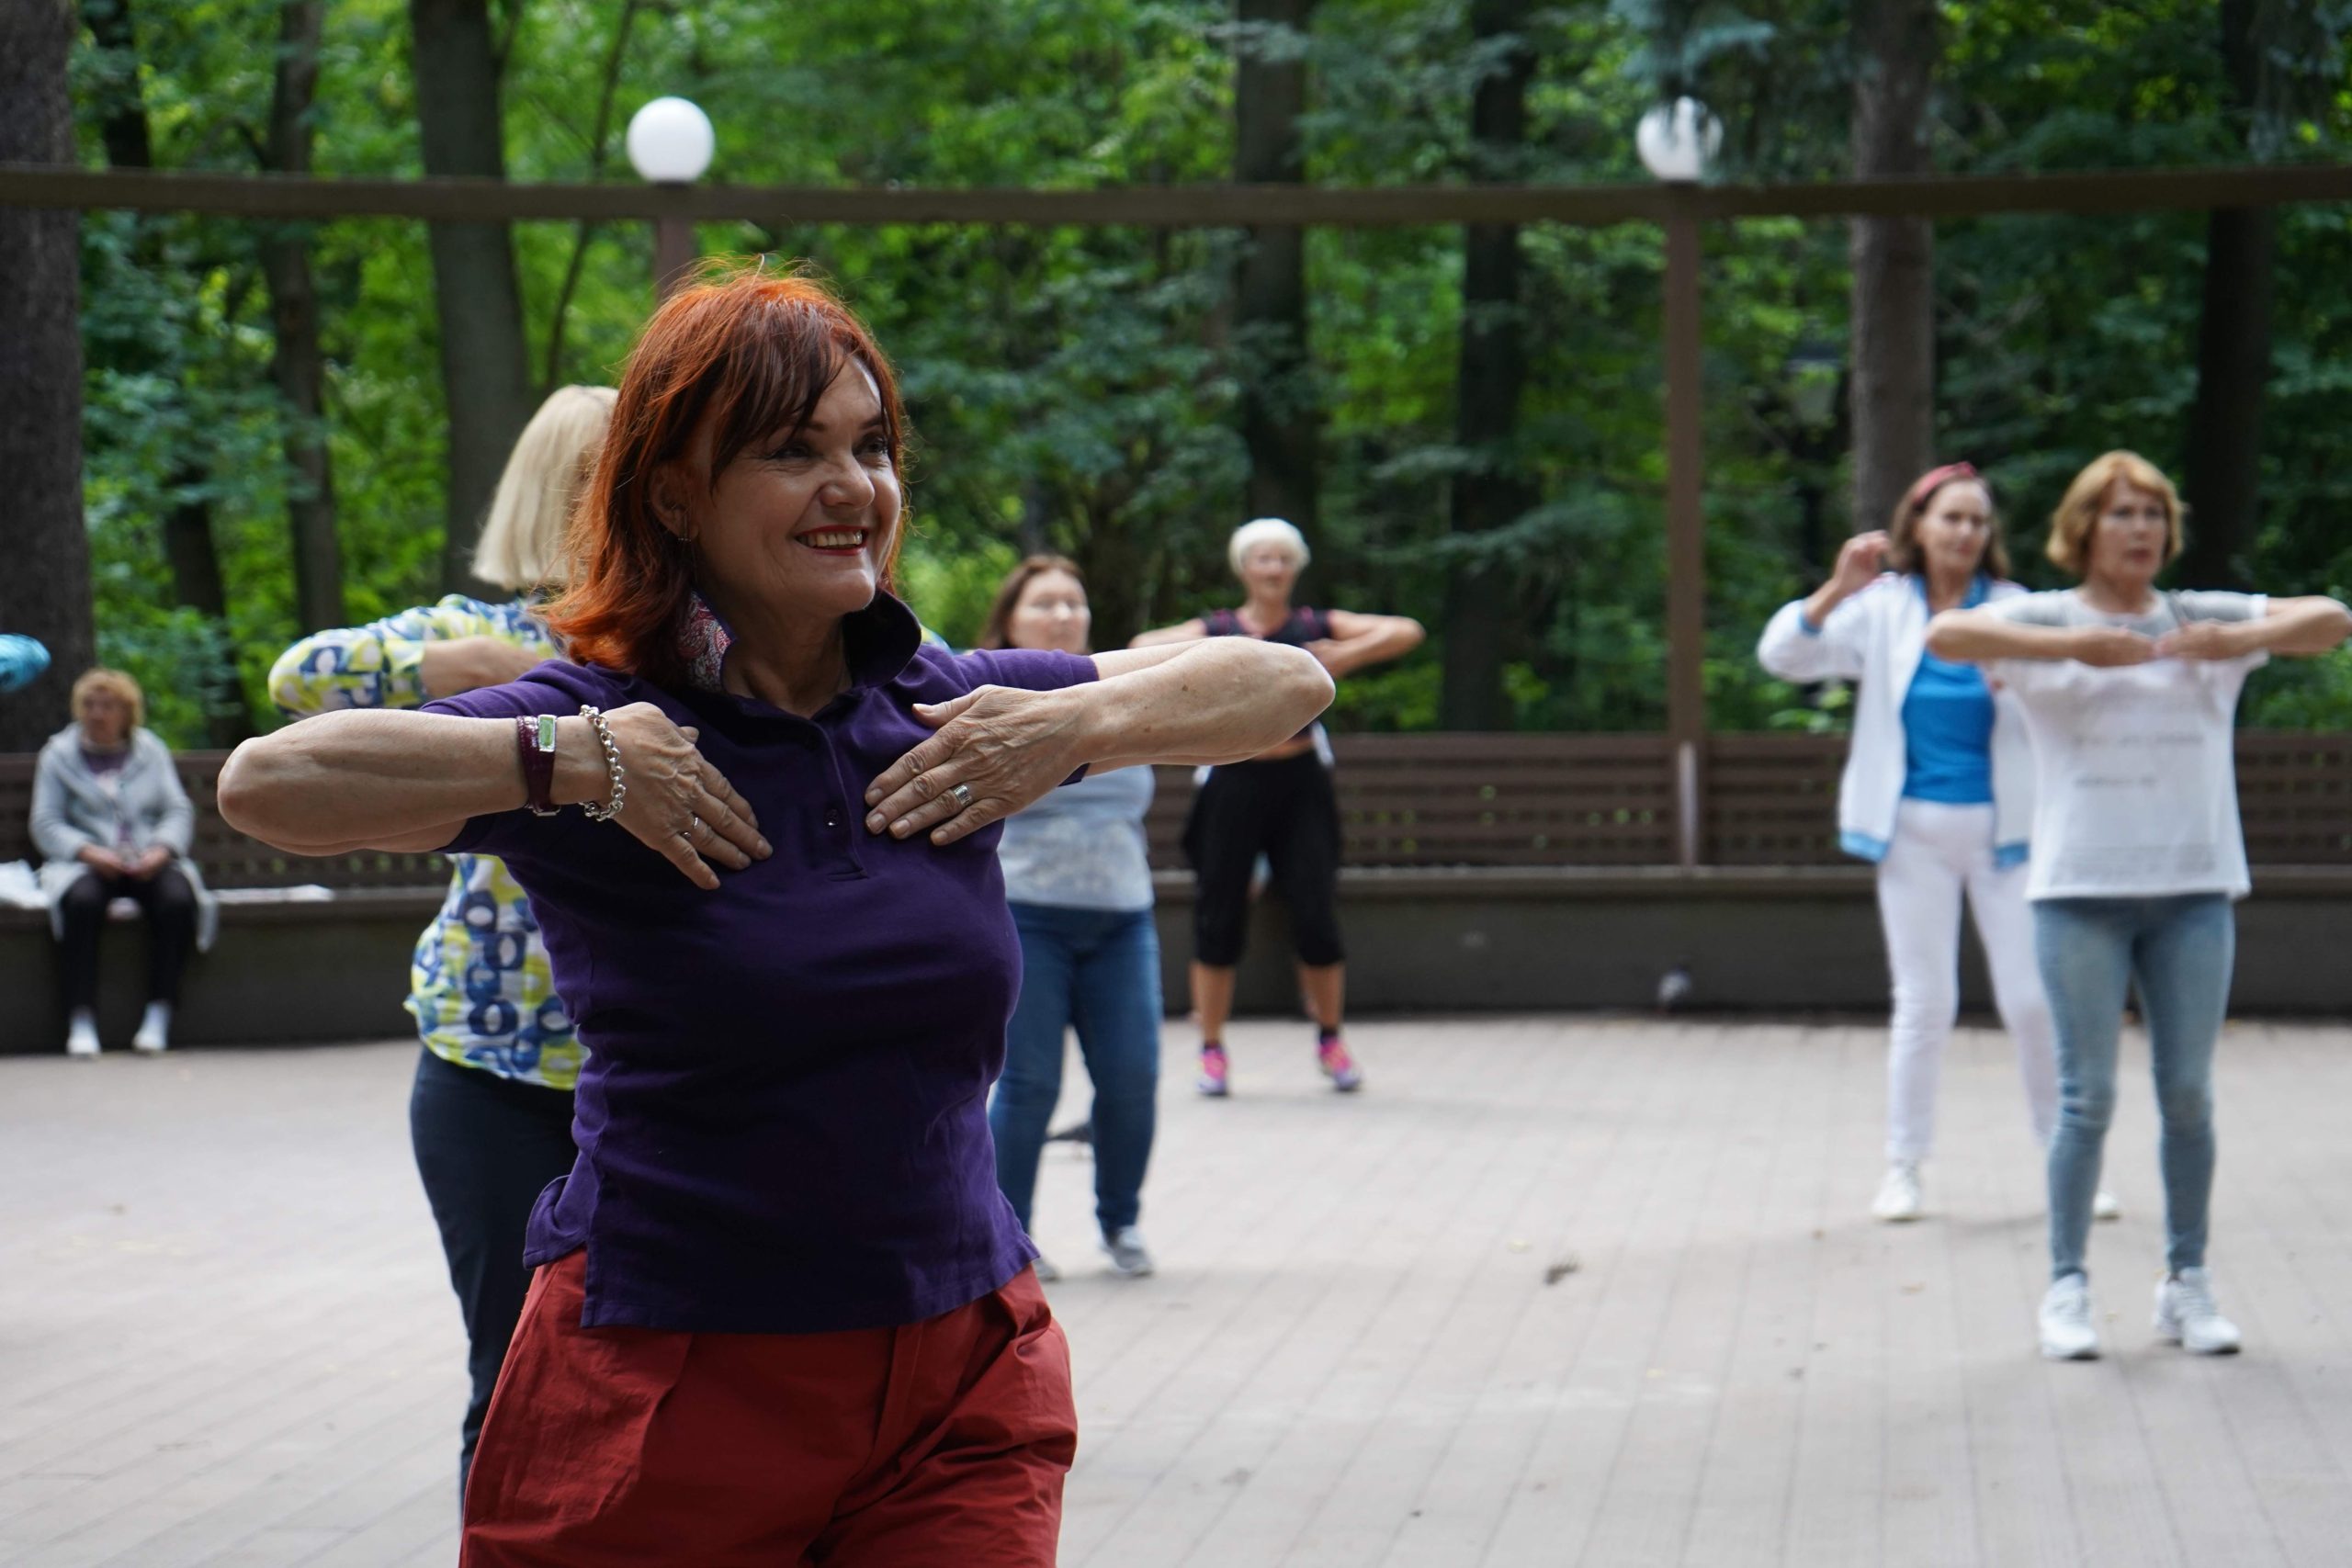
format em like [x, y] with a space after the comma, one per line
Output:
[798, 526]
[1051, 614]
[2129, 538]
[1953, 532]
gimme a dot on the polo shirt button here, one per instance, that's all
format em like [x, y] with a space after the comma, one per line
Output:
[833, 815]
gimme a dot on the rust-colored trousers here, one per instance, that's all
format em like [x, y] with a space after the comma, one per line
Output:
[942, 1443]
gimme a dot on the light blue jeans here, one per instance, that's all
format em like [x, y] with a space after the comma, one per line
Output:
[2179, 952]
[1099, 970]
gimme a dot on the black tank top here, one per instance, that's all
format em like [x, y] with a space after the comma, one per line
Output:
[1305, 626]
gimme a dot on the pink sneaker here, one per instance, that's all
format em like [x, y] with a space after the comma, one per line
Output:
[1337, 1065]
[1211, 1082]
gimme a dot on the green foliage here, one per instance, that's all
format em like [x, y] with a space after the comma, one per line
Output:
[1075, 389]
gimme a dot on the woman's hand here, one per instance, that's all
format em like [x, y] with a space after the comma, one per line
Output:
[1858, 563]
[678, 805]
[2207, 639]
[2106, 647]
[1004, 749]
[105, 861]
[151, 859]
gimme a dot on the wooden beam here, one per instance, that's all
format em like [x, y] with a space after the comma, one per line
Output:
[1686, 544]
[1167, 207]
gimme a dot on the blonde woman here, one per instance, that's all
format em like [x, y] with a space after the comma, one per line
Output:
[2138, 853]
[490, 1116]
[112, 822]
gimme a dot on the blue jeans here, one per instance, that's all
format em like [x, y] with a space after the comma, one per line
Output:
[1098, 969]
[2179, 950]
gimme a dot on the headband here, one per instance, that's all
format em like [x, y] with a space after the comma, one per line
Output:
[1935, 479]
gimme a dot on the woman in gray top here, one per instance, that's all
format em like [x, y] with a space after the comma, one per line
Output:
[2128, 695]
[1079, 879]
[112, 822]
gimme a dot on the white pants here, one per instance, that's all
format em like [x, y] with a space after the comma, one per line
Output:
[1938, 850]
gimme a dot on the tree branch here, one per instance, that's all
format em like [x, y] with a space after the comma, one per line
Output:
[596, 161]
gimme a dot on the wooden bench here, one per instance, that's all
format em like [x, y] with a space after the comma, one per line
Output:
[1497, 871]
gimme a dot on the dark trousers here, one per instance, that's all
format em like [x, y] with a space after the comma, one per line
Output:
[486, 1147]
[170, 906]
[1287, 811]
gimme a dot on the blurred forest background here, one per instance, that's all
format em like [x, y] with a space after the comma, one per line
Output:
[267, 417]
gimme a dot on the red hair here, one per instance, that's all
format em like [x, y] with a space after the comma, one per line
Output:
[749, 350]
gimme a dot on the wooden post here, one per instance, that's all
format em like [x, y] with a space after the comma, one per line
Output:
[674, 253]
[1686, 556]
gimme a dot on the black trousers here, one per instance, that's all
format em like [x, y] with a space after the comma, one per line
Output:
[486, 1147]
[170, 906]
[1286, 811]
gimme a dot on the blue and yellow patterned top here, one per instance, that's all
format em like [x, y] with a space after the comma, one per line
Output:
[478, 984]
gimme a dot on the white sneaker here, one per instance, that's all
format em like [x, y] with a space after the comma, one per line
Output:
[2104, 1206]
[2066, 1331]
[154, 1030]
[1129, 1256]
[1899, 1197]
[82, 1034]
[2186, 1315]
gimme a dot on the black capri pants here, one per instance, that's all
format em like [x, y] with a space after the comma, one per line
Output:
[1286, 811]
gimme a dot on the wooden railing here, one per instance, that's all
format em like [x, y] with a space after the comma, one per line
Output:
[1471, 800]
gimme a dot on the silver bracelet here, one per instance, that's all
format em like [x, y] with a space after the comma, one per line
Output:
[613, 769]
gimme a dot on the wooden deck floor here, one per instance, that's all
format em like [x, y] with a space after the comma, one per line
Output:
[1549, 1291]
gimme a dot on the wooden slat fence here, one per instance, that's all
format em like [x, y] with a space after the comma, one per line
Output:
[1469, 800]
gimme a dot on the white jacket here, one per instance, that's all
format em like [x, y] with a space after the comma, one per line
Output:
[1875, 639]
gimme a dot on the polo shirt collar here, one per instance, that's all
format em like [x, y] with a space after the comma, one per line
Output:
[880, 641]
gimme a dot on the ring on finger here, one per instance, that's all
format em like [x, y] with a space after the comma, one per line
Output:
[962, 795]
[692, 831]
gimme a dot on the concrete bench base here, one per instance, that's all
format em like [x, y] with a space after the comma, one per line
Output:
[1773, 940]
[281, 973]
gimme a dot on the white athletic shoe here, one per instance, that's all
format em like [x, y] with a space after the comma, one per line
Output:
[1899, 1197]
[82, 1034]
[2066, 1331]
[2186, 1315]
[1129, 1257]
[155, 1034]
[2104, 1206]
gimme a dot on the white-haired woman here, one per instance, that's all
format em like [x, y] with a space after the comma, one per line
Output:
[1279, 805]
[490, 1115]
[2138, 853]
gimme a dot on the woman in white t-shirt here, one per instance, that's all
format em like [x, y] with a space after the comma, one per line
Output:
[2129, 696]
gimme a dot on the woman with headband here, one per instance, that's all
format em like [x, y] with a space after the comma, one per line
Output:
[1938, 792]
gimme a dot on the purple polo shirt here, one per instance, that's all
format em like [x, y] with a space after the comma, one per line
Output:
[781, 1119]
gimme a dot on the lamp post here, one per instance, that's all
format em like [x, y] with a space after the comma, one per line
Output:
[670, 144]
[1675, 142]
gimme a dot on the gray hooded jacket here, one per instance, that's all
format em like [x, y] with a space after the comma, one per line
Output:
[70, 809]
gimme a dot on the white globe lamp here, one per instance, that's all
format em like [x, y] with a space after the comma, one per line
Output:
[1678, 141]
[670, 142]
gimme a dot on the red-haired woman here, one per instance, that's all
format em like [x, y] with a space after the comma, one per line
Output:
[781, 1310]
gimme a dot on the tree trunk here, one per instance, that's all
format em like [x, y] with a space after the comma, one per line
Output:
[1894, 384]
[1489, 493]
[45, 591]
[1279, 413]
[189, 549]
[297, 364]
[2223, 471]
[484, 373]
